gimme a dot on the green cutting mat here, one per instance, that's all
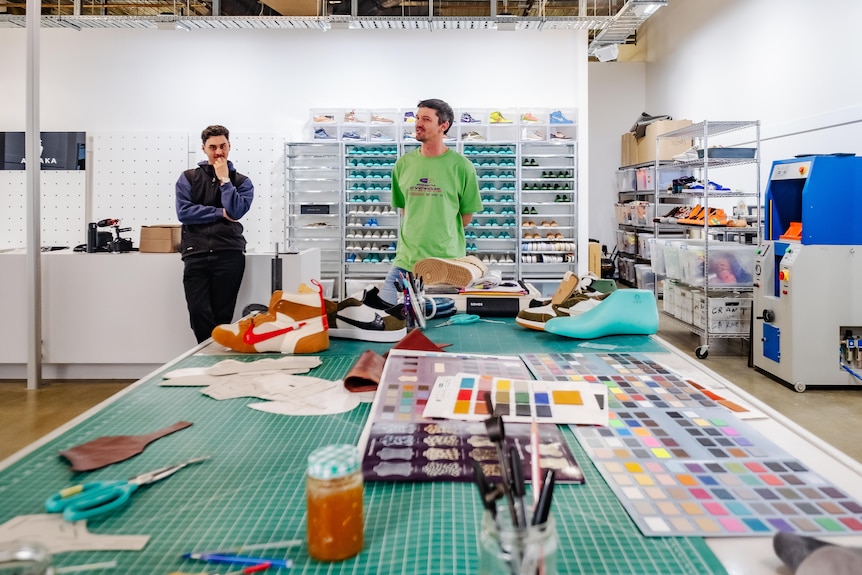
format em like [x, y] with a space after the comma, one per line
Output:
[252, 491]
[509, 338]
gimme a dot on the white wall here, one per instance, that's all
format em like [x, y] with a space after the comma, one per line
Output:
[792, 64]
[258, 82]
[616, 101]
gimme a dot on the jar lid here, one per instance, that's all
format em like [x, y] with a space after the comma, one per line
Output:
[333, 461]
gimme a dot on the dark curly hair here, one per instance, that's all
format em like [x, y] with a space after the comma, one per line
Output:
[215, 130]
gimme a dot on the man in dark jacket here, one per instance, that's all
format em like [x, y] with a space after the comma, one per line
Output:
[210, 201]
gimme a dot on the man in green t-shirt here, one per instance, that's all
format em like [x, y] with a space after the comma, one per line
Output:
[437, 192]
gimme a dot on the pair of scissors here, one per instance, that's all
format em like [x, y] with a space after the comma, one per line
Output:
[97, 497]
[464, 319]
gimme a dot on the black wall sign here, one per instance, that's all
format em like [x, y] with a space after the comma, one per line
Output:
[60, 150]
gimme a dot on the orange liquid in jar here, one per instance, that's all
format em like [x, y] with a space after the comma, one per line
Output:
[335, 522]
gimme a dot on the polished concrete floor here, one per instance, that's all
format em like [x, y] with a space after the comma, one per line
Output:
[831, 414]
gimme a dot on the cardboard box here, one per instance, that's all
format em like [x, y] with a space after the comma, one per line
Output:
[595, 258]
[160, 239]
[628, 149]
[668, 147]
[295, 7]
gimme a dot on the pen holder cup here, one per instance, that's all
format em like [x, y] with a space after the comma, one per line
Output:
[507, 550]
[23, 558]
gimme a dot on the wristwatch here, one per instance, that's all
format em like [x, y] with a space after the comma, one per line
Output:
[224, 181]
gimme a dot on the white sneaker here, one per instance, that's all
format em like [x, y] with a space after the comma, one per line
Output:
[689, 155]
[532, 135]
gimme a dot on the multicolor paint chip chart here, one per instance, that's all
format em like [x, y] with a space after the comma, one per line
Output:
[702, 471]
[633, 380]
[401, 444]
[462, 396]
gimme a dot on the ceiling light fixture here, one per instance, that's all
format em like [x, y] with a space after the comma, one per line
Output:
[646, 9]
[607, 53]
[506, 23]
[172, 25]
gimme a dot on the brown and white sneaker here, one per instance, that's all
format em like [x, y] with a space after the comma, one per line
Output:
[578, 303]
[294, 323]
[459, 272]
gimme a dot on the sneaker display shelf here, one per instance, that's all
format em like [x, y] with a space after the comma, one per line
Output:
[355, 125]
[313, 207]
[712, 293]
[493, 232]
[370, 221]
[548, 209]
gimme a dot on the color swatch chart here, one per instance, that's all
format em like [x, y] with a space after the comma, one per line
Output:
[633, 380]
[400, 444]
[462, 396]
[702, 471]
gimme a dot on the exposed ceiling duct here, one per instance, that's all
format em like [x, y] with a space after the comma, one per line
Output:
[610, 22]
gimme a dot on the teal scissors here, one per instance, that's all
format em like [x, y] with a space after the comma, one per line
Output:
[87, 500]
[464, 319]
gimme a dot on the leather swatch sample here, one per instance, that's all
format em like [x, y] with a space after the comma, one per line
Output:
[104, 451]
[417, 341]
[365, 373]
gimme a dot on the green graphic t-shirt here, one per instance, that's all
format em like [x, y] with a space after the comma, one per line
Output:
[434, 192]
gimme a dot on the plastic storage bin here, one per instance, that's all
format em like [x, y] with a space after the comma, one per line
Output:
[730, 264]
[644, 276]
[672, 260]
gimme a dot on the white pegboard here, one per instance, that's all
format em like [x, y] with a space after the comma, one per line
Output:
[62, 194]
[134, 177]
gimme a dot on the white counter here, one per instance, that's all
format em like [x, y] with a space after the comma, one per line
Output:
[109, 315]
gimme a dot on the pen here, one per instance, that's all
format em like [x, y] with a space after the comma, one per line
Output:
[254, 547]
[543, 508]
[238, 559]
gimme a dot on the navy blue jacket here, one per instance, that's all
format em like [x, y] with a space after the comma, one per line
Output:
[200, 200]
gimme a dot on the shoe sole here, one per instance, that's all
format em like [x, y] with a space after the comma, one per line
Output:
[390, 336]
[459, 272]
[566, 288]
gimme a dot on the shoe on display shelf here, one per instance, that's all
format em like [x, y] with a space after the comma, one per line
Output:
[324, 119]
[531, 135]
[498, 118]
[350, 117]
[558, 135]
[321, 134]
[409, 117]
[558, 118]
[472, 137]
[530, 118]
[408, 135]
[293, 323]
[466, 118]
[351, 136]
[377, 119]
[379, 136]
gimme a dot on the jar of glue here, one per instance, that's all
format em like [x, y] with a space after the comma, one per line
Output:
[334, 503]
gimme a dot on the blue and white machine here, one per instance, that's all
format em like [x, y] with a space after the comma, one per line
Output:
[807, 328]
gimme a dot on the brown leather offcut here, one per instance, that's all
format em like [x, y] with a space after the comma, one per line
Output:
[366, 372]
[104, 451]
